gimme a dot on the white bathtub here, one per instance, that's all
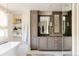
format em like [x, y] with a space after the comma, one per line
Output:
[9, 49]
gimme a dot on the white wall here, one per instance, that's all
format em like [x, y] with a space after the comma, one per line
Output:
[74, 30]
[78, 29]
[10, 26]
[26, 28]
[10, 18]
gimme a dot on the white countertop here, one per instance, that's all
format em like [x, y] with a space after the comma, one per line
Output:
[7, 46]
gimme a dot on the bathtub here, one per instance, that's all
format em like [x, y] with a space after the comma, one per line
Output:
[9, 49]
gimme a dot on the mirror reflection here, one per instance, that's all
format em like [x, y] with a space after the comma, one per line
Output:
[44, 25]
[67, 25]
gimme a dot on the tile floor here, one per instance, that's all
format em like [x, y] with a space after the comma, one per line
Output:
[49, 53]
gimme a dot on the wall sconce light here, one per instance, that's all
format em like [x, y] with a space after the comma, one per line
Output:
[68, 24]
[15, 28]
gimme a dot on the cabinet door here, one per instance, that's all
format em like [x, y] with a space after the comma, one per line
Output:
[34, 43]
[67, 43]
[51, 43]
[58, 43]
[42, 42]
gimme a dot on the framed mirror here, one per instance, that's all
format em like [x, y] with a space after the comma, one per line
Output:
[56, 24]
[57, 21]
[43, 25]
[67, 23]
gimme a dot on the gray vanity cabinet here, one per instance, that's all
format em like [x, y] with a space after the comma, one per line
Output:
[55, 43]
[51, 43]
[42, 43]
[34, 43]
[46, 43]
[58, 43]
[33, 31]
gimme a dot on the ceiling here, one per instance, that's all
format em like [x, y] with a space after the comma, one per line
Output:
[19, 8]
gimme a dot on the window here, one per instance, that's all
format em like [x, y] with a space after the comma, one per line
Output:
[3, 24]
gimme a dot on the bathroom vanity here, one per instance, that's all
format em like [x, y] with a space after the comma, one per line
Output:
[46, 30]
